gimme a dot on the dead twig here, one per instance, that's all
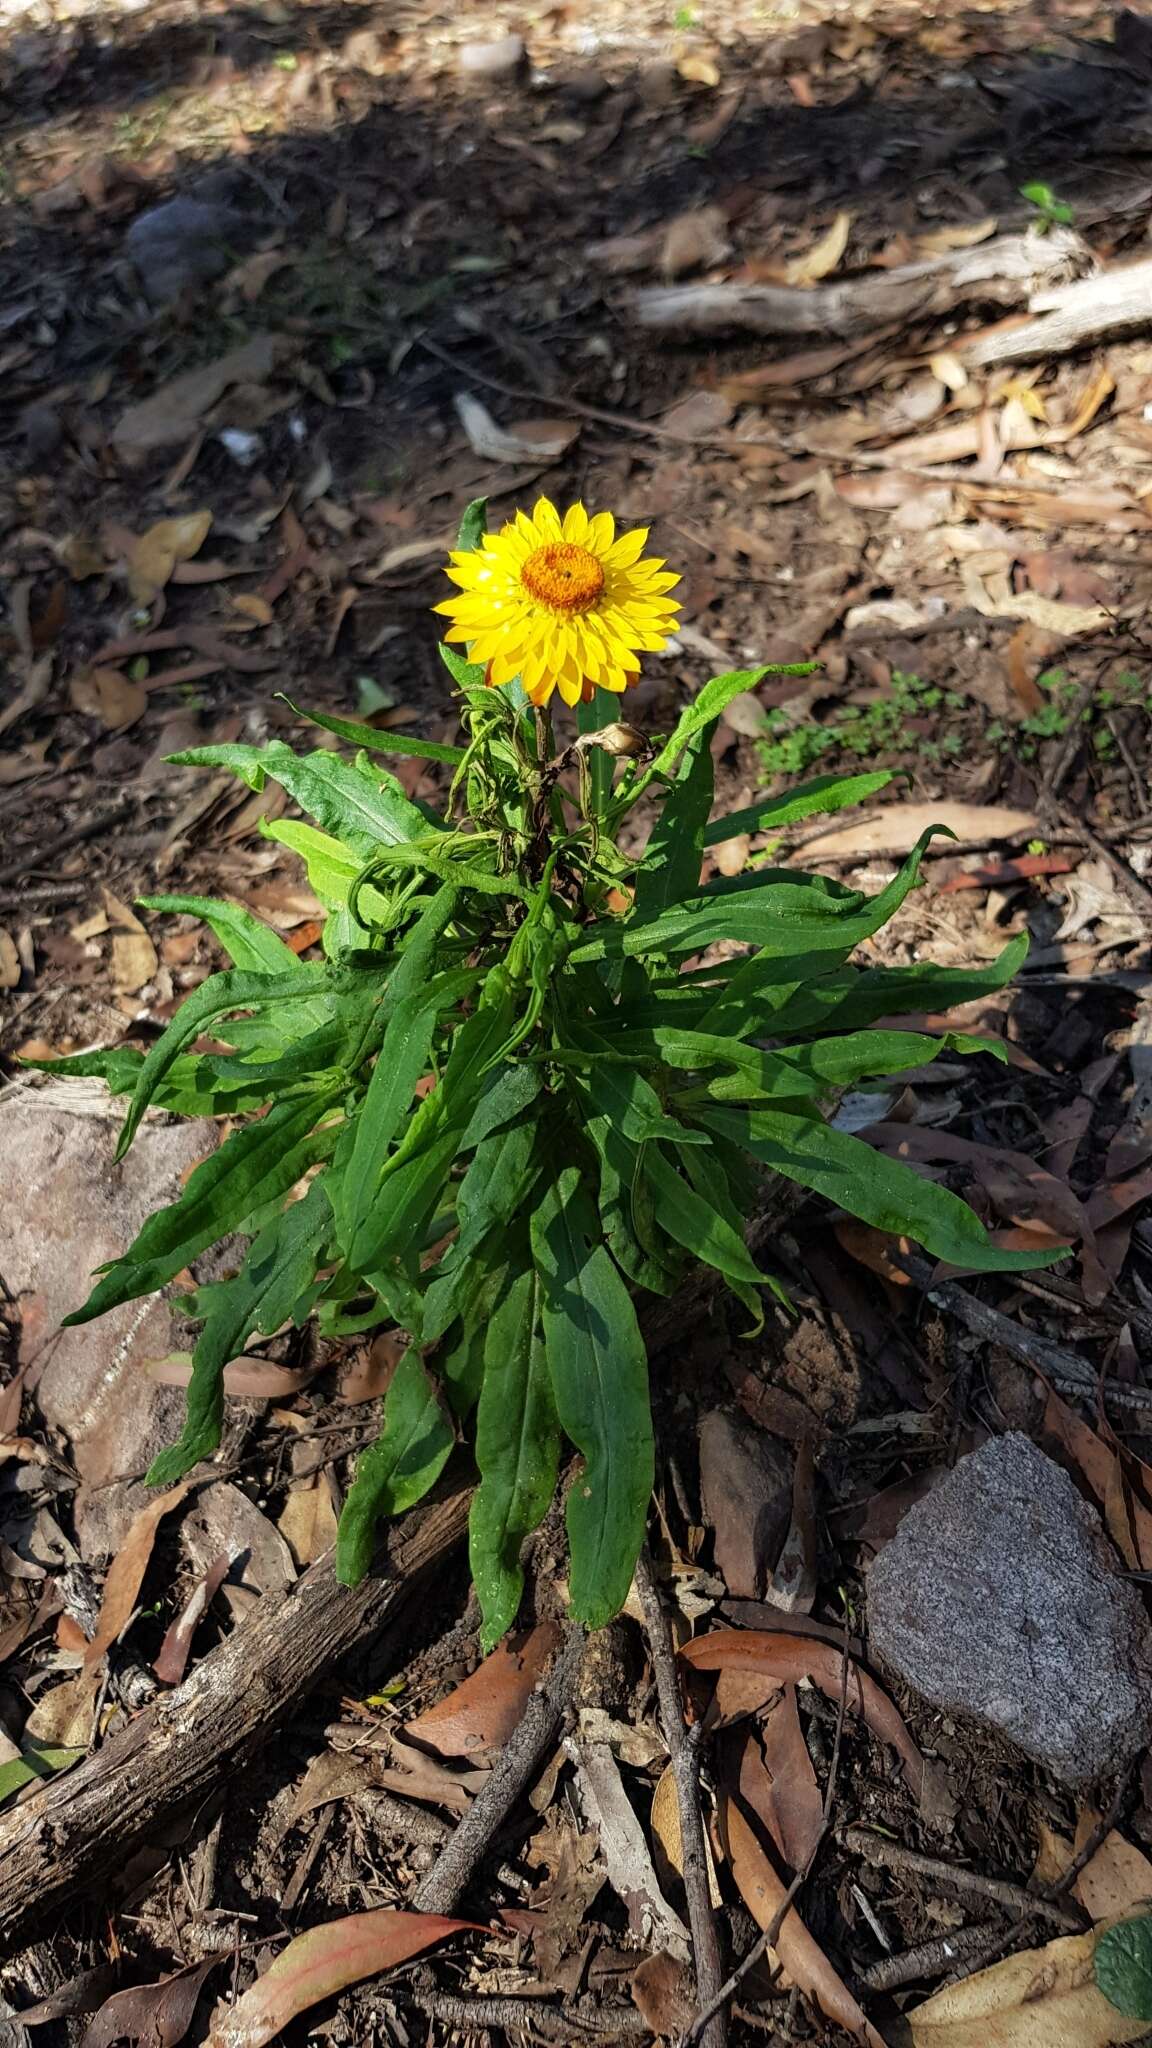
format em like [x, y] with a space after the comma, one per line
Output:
[686, 1774]
[768, 1937]
[1058, 1886]
[930, 1959]
[583, 2020]
[89, 828]
[877, 1849]
[81, 1828]
[446, 1882]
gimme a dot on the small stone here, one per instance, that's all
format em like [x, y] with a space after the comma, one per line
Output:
[746, 1481]
[1000, 1598]
[187, 242]
[489, 62]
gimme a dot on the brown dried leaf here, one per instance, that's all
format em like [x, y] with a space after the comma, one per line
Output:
[155, 2015]
[823, 257]
[698, 69]
[109, 695]
[668, 1840]
[481, 1715]
[695, 241]
[255, 1379]
[1117, 1879]
[1045, 1998]
[779, 1784]
[174, 1651]
[325, 1960]
[9, 961]
[801, 1958]
[897, 827]
[127, 1569]
[307, 1521]
[134, 962]
[153, 555]
[787, 1657]
[177, 408]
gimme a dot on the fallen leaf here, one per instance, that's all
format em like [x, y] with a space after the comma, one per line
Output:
[1100, 386]
[785, 1657]
[334, 1774]
[526, 441]
[949, 370]
[668, 1840]
[662, 1993]
[153, 555]
[606, 1808]
[778, 1783]
[1045, 1998]
[942, 241]
[369, 1373]
[307, 1521]
[800, 1958]
[421, 1777]
[173, 1654]
[1117, 1879]
[1023, 661]
[482, 1713]
[109, 695]
[695, 241]
[177, 409]
[62, 1718]
[255, 1379]
[698, 69]
[81, 1994]
[9, 961]
[324, 1961]
[1024, 869]
[155, 2015]
[897, 827]
[990, 593]
[824, 255]
[126, 1571]
[134, 962]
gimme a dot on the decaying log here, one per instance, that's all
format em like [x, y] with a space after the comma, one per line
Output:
[1003, 272]
[1094, 309]
[83, 1826]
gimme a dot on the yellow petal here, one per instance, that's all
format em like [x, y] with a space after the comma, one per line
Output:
[576, 523]
[546, 519]
[600, 533]
[628, 548]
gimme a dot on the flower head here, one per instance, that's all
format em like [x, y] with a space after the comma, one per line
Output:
[561, 603]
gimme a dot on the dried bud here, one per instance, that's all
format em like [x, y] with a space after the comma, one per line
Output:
[617, 740]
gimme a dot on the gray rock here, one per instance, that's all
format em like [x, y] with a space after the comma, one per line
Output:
[999, 1597]
[67, 1207]
[746, 1481]
[488, 62]
[187, 242]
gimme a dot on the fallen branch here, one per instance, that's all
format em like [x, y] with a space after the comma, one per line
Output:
[686, 1776]
[521, 1757]
[1092, 309]
[82, 1827]
[878, 1850]
[1004, 272]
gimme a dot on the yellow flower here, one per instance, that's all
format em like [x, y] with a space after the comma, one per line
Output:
[561, 603]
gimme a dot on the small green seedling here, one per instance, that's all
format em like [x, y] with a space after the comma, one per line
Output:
[1050, 211]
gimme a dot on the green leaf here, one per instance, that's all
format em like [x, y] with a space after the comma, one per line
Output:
[402, 1062]
[507, 1091]
[853, 998]
[34, 1763]
[670, 869]
[366, 810]
[603, 710]
[469, 675]
[631, 1103]
[253, 947]
[693, 1223]
[116, 1065]
[214, 999]
[255, 1165]
[473, 526]
[517, 1453]
[880, 1191]
[1123, 1966]
[378, 742]
[824, 793]
[714, 699]
[784, 918]
[276, 1284]
[599, 1375]
[397, 1470]
[621, 1186]
[500, 1177]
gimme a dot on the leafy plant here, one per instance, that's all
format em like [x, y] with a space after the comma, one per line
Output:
[506, 1105]
[1050, 211]
[862, 730]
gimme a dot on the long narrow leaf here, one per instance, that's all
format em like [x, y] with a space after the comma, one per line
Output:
[253, 947]
[366, 811]
[670, 870]
[376, 742]
[599, 1375]
[397, 1470]
[880, 1191]
[517, 1453]
[809, 799]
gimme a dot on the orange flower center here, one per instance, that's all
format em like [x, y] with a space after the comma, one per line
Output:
[563, 576]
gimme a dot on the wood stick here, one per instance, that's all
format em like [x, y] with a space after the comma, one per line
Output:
[1002, 272]
[686, 1775]
[446, 1882]
[1094, 309]
[81, 1827]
